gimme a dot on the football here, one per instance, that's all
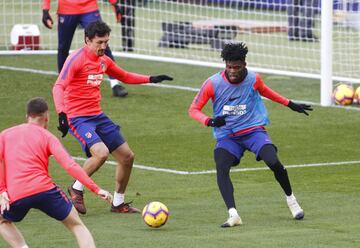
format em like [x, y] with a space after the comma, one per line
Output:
[343, 94]
[155, 214]
[357, 95]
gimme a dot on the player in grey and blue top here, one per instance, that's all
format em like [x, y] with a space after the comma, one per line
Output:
[239, 120]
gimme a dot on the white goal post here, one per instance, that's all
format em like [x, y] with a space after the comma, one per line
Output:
[194, 31]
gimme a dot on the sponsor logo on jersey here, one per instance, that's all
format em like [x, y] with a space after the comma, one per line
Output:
[95, 79]
[234, 110]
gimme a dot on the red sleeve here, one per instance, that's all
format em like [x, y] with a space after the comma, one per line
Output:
[206, 92]
[124, 76]
[65, 76]
[2, 169]
[46, 4]
[265, 91]
[70, 165]
[112, 1]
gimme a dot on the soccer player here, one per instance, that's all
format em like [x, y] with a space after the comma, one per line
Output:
[77, 100]
[239, 117]
[72, 14]
[25, 182]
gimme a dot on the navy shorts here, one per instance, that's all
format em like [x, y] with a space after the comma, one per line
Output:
[237, 145]
[67, 25]
[53, 202]
[89, 130]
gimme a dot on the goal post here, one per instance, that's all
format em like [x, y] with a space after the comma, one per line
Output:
[326, 53]
[194, 32]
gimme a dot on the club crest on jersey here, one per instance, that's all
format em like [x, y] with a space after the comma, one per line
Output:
[103, 68]
[88, 135]
[95, 79]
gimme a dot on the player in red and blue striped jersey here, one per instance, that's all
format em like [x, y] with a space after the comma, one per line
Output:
[71, 14]
[239, 120]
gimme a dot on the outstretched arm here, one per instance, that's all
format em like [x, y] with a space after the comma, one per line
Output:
[267, 92]
[133, 78]
[64, 159]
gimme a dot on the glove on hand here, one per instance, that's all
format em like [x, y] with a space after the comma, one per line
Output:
[298, 107]
[159, 78]
[63, 124]
[46, 18]
[216, 122]
[118, 12]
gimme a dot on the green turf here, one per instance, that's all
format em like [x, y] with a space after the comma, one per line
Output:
[156, 124]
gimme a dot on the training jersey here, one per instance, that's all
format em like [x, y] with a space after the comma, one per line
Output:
[240, 104]
[77, 90]
[24, 161]
[75, 7]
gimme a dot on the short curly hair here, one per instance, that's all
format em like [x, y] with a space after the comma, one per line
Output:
[234, 51]
[97, 28]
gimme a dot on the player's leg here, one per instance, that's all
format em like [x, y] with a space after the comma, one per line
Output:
[125, 159]
[269, 155]
[55, 204]
[16, 213]
[99, 154]
[79, 230]
[117, 89]
[66, 29]
[11, 234]
[83, 129]
[224, 161]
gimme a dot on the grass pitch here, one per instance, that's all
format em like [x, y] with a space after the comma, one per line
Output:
[157, 127]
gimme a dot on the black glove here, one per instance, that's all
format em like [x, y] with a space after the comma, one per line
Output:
[118, 11]
[159, 78]
[46, 16]
[63, 124]
[299, 107]
[216, 122]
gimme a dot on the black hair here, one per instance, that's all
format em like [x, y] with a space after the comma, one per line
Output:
[234, 51]
[36, 106]
[97, 28]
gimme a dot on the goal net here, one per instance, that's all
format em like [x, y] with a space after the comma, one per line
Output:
[194, 31]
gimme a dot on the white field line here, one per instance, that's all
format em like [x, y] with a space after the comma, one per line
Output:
[194, 90]
[179, 172]
[11, 68]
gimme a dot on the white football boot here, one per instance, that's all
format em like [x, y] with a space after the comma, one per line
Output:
[295, 209]
[233, 220]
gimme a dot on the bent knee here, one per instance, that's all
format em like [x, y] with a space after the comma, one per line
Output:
[101, 154]
[129, 157]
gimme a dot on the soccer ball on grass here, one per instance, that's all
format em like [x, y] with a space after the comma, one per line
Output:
[343, 94]
[155, 214]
